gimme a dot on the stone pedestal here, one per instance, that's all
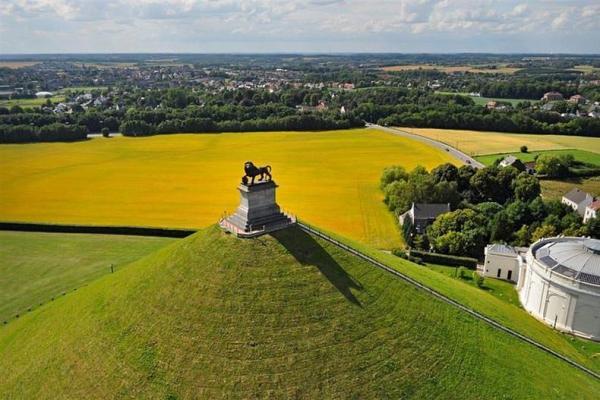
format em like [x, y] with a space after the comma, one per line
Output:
[257, 213]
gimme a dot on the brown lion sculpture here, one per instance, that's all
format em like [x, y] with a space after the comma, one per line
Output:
[252, 171]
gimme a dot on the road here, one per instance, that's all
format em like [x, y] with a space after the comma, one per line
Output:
[94, 135]
[465, 158]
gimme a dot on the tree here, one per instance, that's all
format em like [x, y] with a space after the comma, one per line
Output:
[522, 237]
[524, 149]
[552, 166]
[526, 187]
[459, 232]
[543, 231]
[478, 279]
[593, 228]
[393, 174]
[445, 173]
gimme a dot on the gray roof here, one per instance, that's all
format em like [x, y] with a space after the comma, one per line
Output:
[503, 249]
[429, 211]
[577, 195]
[508, 160]
[576, 258]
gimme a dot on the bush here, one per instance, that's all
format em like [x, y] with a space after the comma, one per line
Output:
[444, 259]
[402, 254]
[524, 149]
[478, 279]
[105, 132]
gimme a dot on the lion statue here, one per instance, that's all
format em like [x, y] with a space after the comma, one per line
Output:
[252, 171]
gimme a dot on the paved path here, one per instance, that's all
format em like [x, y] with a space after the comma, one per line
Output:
[465, 158]
[93, 135]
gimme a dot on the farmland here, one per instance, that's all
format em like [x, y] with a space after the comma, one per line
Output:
[484, 69]
[34, 267]
[480, 143]
[327, 178]
[579, 155]
[328, 326]
[555, 189]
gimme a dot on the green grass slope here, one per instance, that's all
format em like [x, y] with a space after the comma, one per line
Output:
[281, 316]
[34, 266]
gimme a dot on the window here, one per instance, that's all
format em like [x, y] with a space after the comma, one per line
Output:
[509, 275]
[499, 273]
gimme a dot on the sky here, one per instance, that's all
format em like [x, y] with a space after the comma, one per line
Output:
[274, 26]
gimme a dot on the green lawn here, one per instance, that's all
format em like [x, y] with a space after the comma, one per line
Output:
[34, 267]
[498, 288]
[28, 103]
[497, 303]
[282, 316]
[580, 155]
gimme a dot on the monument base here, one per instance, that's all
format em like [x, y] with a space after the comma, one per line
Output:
[257, 213]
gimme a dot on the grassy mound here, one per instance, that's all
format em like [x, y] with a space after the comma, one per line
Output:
[286, 315]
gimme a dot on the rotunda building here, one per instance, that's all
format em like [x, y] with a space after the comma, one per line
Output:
[559, 283]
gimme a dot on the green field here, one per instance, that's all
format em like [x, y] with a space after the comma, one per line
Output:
[34, 267]
[580, 155]
[328, 178]
[283, 316]
[28, 103]
[482, 101]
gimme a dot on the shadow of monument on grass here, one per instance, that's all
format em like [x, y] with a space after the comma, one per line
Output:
[308, 251]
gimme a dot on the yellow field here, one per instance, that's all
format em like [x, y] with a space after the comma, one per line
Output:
[329, 179]
[17, 64]
[454, 68]
[478, 143]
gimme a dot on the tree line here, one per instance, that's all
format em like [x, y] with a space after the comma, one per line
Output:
[490, 205]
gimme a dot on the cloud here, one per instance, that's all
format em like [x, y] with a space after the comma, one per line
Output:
[228, 25]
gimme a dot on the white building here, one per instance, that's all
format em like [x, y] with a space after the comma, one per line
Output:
[559, 283]
[503, 262]
[591, 210]
[578, 200]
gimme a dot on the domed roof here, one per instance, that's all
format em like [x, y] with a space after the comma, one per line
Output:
[575, 258]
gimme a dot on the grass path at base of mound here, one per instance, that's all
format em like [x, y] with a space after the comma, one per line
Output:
[189, 180]
[480, 142]
[34, 267]
[579, 155]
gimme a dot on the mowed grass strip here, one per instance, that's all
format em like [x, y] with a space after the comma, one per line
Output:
[579, 155]
[34, 267]
[481, 143]
[328, 178]
[284, 316]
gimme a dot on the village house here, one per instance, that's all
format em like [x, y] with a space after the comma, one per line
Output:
[421, 215]
[503, 261]
[591, 210]
[577, 99]
[578, 200]
[552, 96]
[512, 161]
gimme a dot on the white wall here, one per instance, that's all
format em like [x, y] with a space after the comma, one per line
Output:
[504, 263]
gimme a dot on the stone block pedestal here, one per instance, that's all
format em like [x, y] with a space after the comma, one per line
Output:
[257, 213]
